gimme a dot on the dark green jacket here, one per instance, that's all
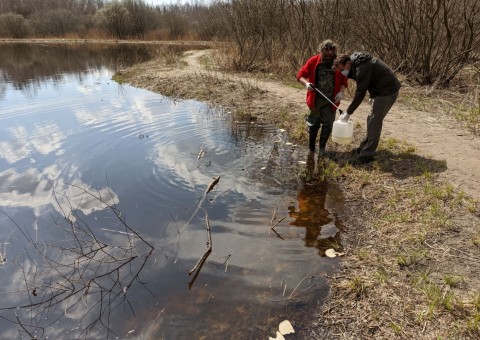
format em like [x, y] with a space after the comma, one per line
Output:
[372, 75]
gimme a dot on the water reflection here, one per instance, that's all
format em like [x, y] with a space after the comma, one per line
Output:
[138, 152]
[45, 138]
[77, 274]
[318, 202]
[26, 66]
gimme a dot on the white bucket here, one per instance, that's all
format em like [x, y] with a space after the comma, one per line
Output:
[342, 133]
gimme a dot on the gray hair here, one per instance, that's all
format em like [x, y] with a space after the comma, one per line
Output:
[327, 45]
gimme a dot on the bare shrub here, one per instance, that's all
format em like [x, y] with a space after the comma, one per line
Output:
[430, 41]
[246, 22]
[175, 22]
[57, 22]
[114, 19]
[276, 35]
[13, 25]
[141, 17]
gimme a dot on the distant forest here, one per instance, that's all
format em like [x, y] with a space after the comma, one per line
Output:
[126, 19]
[428, 41]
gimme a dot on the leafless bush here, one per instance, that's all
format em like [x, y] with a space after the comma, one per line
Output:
[30, 7]
[430, 41]
[248, 24]
[141, 17]
[114, 19]
[57, 22]
[175, 22]
[277, 35]
[79, 275]
[13, 25]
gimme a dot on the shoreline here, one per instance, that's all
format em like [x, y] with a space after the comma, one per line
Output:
[409, 235]
[104, 41]
[412, 245]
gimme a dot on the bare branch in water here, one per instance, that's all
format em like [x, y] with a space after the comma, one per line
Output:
[224, 263]
[274, 216]
[200, 154]
[276, 223]
[202, 260]
[79, 273]
[272, 225]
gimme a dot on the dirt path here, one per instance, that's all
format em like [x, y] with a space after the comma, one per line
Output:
[435, 136]
[441, 138]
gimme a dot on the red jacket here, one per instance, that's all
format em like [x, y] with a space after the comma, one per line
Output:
[308, 71]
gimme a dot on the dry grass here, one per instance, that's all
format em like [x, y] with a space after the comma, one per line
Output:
[413, 259]
[461, 100]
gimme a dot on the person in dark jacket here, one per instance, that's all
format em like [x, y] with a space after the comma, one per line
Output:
[318, 73]
[374, 76]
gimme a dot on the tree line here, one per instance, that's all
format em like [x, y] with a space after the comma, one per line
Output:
[429, 41]
[119, 19]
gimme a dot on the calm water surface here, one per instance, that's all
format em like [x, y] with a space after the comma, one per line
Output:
[103, 209]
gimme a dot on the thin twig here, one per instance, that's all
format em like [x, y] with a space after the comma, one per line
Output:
[280, 220]
[208, 251]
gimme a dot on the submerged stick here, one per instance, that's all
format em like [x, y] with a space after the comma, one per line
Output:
[280, 220]
[274, 216]
[207, 252]
[272, 228]
[200, 154]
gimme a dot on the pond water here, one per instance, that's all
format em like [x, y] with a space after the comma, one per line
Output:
[104, 210]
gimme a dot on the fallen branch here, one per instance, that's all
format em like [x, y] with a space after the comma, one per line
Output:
[200, 262]
[280, 220]
[278, 235]
[225, 263]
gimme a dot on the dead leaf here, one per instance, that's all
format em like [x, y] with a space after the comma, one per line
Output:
[286, 327]
[278, 337]
[212, 184]
[332, 253]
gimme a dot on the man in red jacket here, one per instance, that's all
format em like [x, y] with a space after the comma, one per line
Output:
[318, 72]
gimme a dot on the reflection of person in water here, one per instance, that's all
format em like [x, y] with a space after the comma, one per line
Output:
[322, 229]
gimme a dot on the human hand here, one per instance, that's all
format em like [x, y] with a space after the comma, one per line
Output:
[309, 86]
[339, 96]
[344, 117]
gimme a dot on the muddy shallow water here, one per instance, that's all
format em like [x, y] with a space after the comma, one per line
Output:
[103, 208]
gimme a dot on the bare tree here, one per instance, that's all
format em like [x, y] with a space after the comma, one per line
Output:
[114, 19]
[13, 25]
[430, 41]
[142, 18]
[57, 22]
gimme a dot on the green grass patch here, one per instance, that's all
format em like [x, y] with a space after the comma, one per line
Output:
[410, 258]
[119, 78]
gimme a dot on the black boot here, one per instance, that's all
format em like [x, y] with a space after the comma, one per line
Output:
[312, 137]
